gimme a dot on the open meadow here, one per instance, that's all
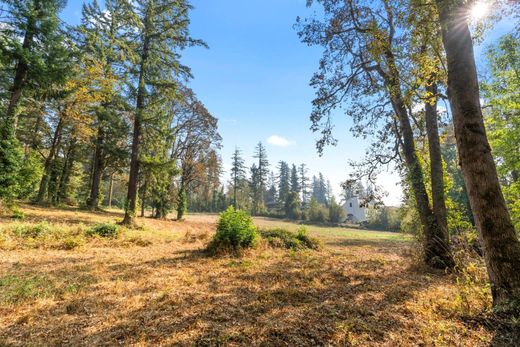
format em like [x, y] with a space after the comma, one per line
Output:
[155, 287]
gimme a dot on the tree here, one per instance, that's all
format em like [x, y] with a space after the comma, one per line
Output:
[364, 44]
[284, 184]
[162, 31]
[33, 51]
[295, 180]
[292, 205]
[336, 212]
[104, 41]
[497, 233]
[502, 117]
[259, 176]
[238, 172]
[304, 184]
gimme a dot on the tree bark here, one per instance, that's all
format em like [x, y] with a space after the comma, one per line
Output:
[110, 190]
[131, 202]
[42, 191]
[22, 69]
[66, 172]
[436, 171]
[97, 171]
[436, 249]
[497, 234]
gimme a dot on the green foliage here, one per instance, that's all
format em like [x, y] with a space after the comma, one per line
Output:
[336, 212]
[235, 231]
[282, 238]
[317, 212]
[11, 156]
[107, 230]
[29, 175]
[32, 230]
[293, 206]
[383, 218]
[18, 214]
[502, 93]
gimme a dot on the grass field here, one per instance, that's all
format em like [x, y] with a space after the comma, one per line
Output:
[154, 287]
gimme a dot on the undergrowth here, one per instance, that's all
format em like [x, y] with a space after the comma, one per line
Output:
[282, 238]
[44, 235]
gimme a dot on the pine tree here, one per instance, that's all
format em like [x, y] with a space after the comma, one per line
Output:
[304, 184]
[284, 185]
[162, 31]
[238, 172]
[295, 180]
[35, 57]
[105, 41]
[260, 175]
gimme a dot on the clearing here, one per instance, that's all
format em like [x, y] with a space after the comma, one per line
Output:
[154, 287]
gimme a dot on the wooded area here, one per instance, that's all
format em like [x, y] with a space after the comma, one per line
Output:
[100, 119]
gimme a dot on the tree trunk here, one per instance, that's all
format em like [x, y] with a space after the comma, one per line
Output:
[97, 171]
[181, 206]
[143, 199]
[131, 202]
[66, 172]
[436, 250]
[436, 171]
[497, 234]
[42, 191]
[110, 190]
[22, 68]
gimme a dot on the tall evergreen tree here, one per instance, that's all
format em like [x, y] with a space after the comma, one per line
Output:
[105, 41]
[260, 175]
[284, 185]
[238, 172]
[34, 57]
[295, 180]
[161, 32]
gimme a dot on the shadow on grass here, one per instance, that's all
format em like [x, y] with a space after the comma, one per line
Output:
[293, 300]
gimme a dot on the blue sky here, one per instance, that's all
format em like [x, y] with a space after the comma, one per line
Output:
[255, 80]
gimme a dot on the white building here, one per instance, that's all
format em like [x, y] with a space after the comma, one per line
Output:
[353, 211]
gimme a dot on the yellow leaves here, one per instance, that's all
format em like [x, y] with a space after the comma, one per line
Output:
[92, 85]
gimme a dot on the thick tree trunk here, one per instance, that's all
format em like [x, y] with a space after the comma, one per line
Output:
[22, 68]
[97, 171]
[436, 171]
[498, 238]
[181, 206]
[436, 249]
[131, 202]
[44, 183]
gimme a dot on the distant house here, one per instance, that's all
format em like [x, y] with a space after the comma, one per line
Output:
[353, 211]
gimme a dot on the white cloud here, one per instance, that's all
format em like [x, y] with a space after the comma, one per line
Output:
[279, 141]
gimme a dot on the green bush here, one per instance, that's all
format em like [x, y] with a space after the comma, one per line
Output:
[282, 238]
[317, 212]
[235, 231]
[104, 230]
[32, 230]
[18, 214]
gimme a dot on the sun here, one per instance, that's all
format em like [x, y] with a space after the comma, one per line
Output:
[479, 10]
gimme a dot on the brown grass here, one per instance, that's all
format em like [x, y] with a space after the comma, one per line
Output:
[362, 289]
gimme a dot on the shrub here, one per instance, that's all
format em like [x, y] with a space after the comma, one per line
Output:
[32, 230]
[104, 230]
[317, 212]
[18, 214]
[282, 238]
[71, 242]
[235, 231]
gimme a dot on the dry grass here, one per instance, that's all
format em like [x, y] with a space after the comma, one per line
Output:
[362, 289]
